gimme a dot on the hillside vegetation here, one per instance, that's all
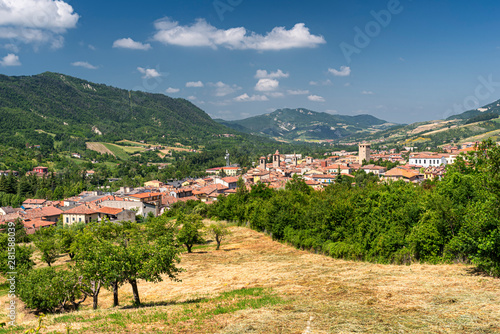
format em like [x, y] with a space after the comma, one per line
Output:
[61, 104]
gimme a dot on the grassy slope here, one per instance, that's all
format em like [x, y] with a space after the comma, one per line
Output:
[292, 291]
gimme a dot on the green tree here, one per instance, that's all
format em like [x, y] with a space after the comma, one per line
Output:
[218, 231]
[46, 242]
[191, 232]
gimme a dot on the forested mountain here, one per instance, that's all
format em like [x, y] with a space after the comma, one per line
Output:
[60, 104]
[304, 124]
[486, 111]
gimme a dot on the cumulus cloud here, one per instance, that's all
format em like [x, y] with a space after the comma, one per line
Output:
[129, 43]
[246, 98]
[36, 21]
[344, 71]
[10, 60]
[84, 64]
[222, 89]
[192, 98]
[367, 92]
[297, 92]
[263, 74]
[267, 85]
[195, 84]
[204, 34]
[316, 98]
[171, 90]
[149, 73]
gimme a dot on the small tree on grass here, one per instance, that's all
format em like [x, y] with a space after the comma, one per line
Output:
[218, 231]
[48, 290]
[97, 260]
[191, 232]
[46, 241]
[66, 236]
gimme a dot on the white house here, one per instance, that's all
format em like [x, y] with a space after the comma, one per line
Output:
[428, 160]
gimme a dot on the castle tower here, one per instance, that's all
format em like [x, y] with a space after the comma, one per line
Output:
[364, 153]
[276, 159]
[262, 163]
[294, 160]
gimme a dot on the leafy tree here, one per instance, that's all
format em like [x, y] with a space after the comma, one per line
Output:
[48, 290]
[19, 262]
[218, 231]
[47, 243]
[191, 232]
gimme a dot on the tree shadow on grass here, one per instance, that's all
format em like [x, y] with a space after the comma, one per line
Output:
[475, 271]
[165, 303]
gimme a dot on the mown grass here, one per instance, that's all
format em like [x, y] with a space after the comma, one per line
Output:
[117, 151]
[194, 314]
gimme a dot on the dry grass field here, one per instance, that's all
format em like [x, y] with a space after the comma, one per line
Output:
[99, 148]
[256, 285]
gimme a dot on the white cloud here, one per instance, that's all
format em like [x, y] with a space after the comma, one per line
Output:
[246, 98]
[36, 21]
[347, 84]
[367, 92]
[267, 85]
[331, 111]
[192, 98]
[10, 60]
[297, 92]
[222, 89]
[244, 114]
[344, 71]
[171, 90]
[196, 84]
[149, 73]
[263, 74]
[91, 47]
[202, 33]
[316, 98]
[84, 64]
[129, 43]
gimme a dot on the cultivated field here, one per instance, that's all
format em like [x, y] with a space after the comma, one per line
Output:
[98, 147]
[256, 285]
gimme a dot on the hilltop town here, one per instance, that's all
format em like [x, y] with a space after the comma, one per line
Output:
[275, 170]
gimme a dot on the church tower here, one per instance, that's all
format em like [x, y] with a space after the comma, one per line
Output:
[364, 153]
[276, 159]
[262, 163]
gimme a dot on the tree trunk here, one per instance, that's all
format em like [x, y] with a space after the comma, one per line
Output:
[218, 245]
[96, 288]
[135, 292]
[189, 248]
[114, 285]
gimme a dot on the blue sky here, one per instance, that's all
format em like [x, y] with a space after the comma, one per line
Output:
[402, 61]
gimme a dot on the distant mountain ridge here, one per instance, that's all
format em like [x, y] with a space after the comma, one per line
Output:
[492, 108]
[305, 124]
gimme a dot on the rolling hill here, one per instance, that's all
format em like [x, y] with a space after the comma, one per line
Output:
[304, 124]
[60, 104]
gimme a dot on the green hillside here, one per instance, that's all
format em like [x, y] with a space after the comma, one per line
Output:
[61, 104]
[304, 124]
